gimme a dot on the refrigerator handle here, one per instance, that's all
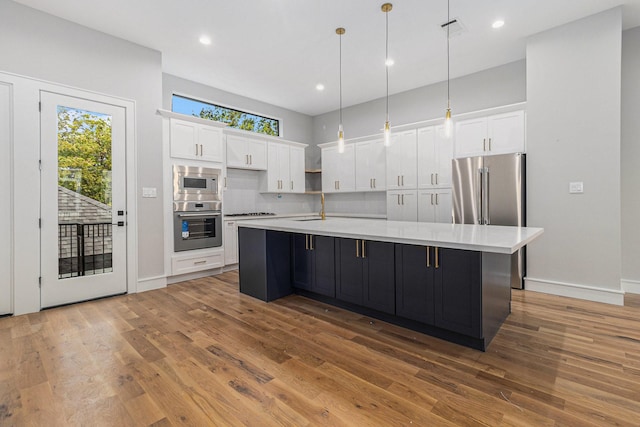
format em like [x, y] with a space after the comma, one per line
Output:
[486, 198]
[478, 183]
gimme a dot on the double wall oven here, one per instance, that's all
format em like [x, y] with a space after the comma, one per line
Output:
[197, 208]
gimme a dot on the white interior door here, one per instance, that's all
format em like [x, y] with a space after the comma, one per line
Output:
[6, 241]
[83, 199]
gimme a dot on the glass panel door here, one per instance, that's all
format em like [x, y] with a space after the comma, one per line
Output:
[83, 199]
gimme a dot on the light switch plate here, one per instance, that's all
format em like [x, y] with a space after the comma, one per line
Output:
[149, 192]
[576, 188]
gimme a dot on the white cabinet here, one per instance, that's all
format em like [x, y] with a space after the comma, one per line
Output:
[195, 141]
[401, 161]
[338, 169]
[246, 153]
[496, 134]
[196, 261]
[230, 242]
[435, 205]
[371, 165]
[435, 152]
[285, 169]
[402, 205]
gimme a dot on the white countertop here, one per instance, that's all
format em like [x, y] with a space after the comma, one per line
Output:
[483, 238]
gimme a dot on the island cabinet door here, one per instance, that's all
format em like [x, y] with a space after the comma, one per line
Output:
[458, 291]
[301, 261]
[379, 276]
[349, 272]
[323, 266]
[415, 282]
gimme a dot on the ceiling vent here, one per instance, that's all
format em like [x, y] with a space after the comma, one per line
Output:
[455, 27]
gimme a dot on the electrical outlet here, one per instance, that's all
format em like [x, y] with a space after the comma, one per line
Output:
[149, 192]
[576, 188]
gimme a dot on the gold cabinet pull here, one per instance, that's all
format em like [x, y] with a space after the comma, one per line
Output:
[489, 144]
[437, 263]
[306, 242]
[437, 203]
[357, 248]
[196, 149]
[431, 179]
[428, 257]
[484, 144]
[363, 254]
[437, 179]
[311, 241]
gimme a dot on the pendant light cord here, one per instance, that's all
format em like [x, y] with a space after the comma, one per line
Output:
[448, 61]
[340, 83]
[386, 59]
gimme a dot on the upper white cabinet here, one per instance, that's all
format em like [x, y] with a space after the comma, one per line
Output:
[402, 205]
[246, 153]
[338, 169]
[435, 205]
[401, 161]
[285, 168]
[195, 141]
[496, 134]
[435, 152]
[371, 165]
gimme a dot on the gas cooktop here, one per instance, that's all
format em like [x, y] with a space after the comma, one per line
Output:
[251, 214]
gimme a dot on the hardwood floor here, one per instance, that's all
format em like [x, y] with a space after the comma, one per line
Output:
[199, 353]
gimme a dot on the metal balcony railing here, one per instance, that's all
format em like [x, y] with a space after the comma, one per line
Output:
[84, 249]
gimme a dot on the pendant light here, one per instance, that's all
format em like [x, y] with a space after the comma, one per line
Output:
[447, 116]
[340, 31]
[386, 8]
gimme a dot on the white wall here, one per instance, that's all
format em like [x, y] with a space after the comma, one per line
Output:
[630, 160]
[573, 134]
[38, 45]
[6, 220]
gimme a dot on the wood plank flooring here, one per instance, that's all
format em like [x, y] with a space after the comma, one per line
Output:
[199, 353]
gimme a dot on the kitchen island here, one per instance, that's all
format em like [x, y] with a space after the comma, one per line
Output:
[449, 281]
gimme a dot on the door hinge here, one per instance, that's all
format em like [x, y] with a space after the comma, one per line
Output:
[40, 106]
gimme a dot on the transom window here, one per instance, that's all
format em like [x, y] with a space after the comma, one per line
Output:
[233, 118]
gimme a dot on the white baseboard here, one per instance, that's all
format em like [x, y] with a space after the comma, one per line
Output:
[191, 276]
[590, 293]
[630, 286]
[151, 283]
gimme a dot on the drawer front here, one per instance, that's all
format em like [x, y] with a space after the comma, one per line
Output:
[189, 264]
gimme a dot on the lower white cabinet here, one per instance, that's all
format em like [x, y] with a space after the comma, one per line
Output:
[435, 205]
[230, 234]
[402, 205]
[193, 261]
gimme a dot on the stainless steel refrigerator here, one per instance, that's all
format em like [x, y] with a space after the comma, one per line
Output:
[490, 190]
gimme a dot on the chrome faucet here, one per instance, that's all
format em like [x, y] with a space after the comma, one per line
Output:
[322, 214]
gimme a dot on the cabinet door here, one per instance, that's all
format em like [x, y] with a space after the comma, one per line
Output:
[471, 137]
[401, 161]
[210, 140]
[324, 270]
[230, 242]
[184, 139]
[349, 274]
[301, 262]
[370, 165]
[346, 169]
[329, 174]
[296, 169]
[506, 133]
[426, 206]
[458, 291]
[409, 203]
[379, 276]
[273, 167]
[427, 160]
[443, 153]
[257, 151]
[394, 208]
[237, 152]
[415, 283]
[444, 206]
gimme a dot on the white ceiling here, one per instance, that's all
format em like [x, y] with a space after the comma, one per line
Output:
[276, 51]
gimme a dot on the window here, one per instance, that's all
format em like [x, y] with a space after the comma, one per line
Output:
[233, 118]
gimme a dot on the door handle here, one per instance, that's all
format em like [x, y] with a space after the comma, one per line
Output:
[201, 152]
[486, 197]
[363, 253]
[428, 257]
[311, 241]
[437, 199]
[246, 159]
[402, 180]
[357, 248]
[374, 183]
[484, 144]
[196, 149]
[306, 242]
[437, 261]
[250, 159]
[489, 144]
[398, 180]
[119, 223]
[398, 199]
[291, 185]
[403, 200]
[436, 179]
[432, 198]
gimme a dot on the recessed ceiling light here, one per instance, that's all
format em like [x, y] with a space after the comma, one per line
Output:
[389, 62]
[320, 87]
[498, 24]
[205, 40]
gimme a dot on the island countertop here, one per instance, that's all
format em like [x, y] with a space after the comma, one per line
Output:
[482, 238]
